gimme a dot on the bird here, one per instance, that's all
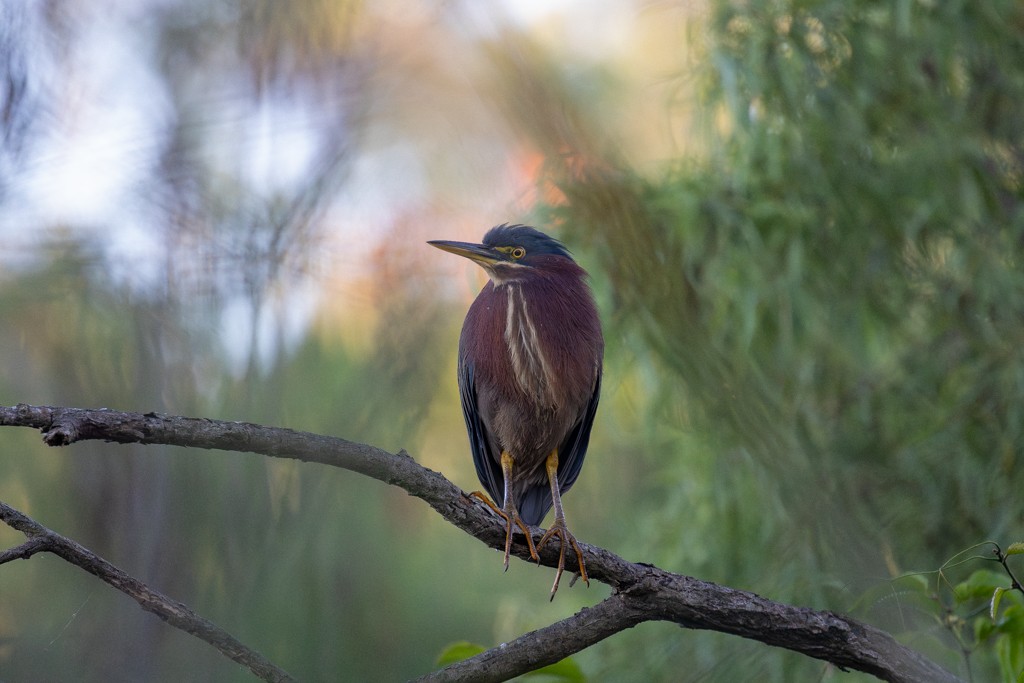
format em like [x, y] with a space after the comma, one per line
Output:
[530, 363]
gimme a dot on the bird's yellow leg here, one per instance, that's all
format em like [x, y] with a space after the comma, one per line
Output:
[509, 513]
[559, 528]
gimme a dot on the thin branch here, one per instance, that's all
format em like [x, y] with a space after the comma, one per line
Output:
[1003, 559]
[544, 646]
[658, 595]
[23, 551]
[643, 592]
[42, 539]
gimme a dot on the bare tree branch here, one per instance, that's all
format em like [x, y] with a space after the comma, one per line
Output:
[544, 646]
[657, 595]
[642, 592]
[42, 539]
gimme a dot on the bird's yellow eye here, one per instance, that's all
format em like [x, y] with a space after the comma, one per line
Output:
[517, 253]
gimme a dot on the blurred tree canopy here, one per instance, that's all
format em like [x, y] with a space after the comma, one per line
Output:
[835, 286]
[811, 285]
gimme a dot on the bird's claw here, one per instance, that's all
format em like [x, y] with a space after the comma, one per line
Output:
[558, 528]
[512, 520]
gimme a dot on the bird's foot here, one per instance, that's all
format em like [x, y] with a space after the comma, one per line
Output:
[565, 537]
[512, 520]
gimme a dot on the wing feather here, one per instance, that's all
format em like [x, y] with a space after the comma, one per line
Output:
[488, 469]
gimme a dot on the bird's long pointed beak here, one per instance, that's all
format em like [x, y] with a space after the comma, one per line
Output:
[475, 252]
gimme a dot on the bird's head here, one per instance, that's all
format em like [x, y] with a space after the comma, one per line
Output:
[510, 252]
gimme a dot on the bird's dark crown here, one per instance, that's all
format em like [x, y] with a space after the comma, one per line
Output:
[506, 237]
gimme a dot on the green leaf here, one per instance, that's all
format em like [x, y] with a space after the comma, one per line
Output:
[919, 582]
[565, 670]
[456, 652]
[1016, 548]
[993, 609]
[979, 584]
[1011, 622]
[1010, 655]
[983, 628]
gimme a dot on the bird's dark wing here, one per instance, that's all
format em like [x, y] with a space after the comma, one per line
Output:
[488, 470]
[536, 500]
[574, 447]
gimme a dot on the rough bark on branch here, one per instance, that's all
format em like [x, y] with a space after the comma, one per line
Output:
[642, 592]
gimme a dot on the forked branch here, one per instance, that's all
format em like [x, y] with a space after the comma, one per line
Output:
[642, 592]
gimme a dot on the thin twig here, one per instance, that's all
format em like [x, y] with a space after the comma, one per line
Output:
[1003, 558]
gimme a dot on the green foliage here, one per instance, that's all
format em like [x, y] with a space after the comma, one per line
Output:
[984, 612]
[970, 604]
[565, 670]
[835, 289]
[456, 652]
[986, 617]
[813, 381]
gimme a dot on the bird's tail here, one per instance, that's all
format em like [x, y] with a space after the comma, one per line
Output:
[534, 504]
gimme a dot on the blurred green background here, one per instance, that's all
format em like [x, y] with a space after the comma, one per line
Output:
[804, 226]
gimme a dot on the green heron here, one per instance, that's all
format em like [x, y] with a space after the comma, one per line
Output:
[530, 378]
